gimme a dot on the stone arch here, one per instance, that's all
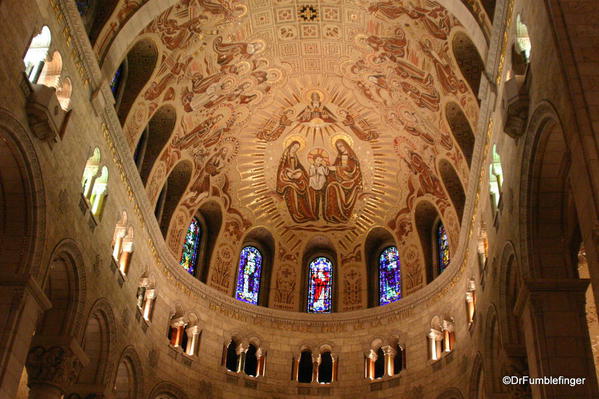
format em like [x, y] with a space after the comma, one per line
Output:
[453, 186]
[140, 63]
[172, 192]
[65, 286]
[469, 60]
[98, 338]
[509, 286]
[493, 349]
[128, 378]
[477, 385]
[461, 130]
[451, 393]
[545, 176]
[22, 207]
[152, 141]
[164, 390]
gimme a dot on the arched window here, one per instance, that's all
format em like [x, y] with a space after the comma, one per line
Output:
[305, 367]
[442, 244]
[523, 43]
[495, 179]
[248, 275]
[250, 366]
[379, 364]
[191, 246]
[146, 295]
[320, 285]
[122, 244]
[35, 57]
[99, 192]
[389, 276]
[325, 368]
[232, 358]
[92, 166]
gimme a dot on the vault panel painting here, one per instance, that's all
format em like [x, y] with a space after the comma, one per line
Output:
[308, 119]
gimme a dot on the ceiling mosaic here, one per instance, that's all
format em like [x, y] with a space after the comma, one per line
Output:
[308, 119]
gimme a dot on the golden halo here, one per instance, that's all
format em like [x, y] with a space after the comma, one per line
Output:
[344, 137]
[308, 95]
[290, 139]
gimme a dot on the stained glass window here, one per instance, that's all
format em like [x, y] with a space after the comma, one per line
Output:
[320, 285]
[191, 247]
[442, 247]
[389, 276]
[116, 80]
[248, 275]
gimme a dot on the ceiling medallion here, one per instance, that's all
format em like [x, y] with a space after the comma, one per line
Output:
[308, 13]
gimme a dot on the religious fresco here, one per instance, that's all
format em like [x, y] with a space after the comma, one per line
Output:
[329, 123]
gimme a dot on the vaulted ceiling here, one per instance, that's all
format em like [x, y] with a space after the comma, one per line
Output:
[313, 120]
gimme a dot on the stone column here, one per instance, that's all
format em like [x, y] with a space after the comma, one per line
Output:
[470, 306]
[53, 365]
[148, 304]
[556, 336]
[315, 367]
[21, 303]
[372, 356]
[192, 340]
[177, 336]
[448, 337]
[389, 360]
[435, 337]
[241, 351]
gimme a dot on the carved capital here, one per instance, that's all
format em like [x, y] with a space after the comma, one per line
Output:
[57, 366]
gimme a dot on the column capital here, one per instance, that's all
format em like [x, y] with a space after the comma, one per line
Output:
[55, 361]
[532, 291]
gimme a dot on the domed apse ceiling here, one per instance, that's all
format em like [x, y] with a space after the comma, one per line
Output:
[309, 119]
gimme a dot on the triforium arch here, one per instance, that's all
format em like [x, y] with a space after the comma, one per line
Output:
[138, 67]
[171, 194]
[469, 60]
[549, 225]
[377, 240]
[461, 129]
[453, 185]
[153, 140]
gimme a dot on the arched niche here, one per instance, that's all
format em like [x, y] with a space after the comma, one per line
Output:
[153, 139]
[171, 194]
[469, 60]
[64, 286]
[377, 240]
[427, 219]
[263, 240]
[453, 186]
[35, 57]
[140, 63]
[305, 367]
[96, 344]
[128, 378]
[460, 129]
[95, 14]
[550, 238]
[318, 246]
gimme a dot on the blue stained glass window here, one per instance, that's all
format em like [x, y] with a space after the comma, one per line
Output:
[320, 285]
[248, 275]
[116, 80]
[442, 247]
[191, 247]
[389, 276]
